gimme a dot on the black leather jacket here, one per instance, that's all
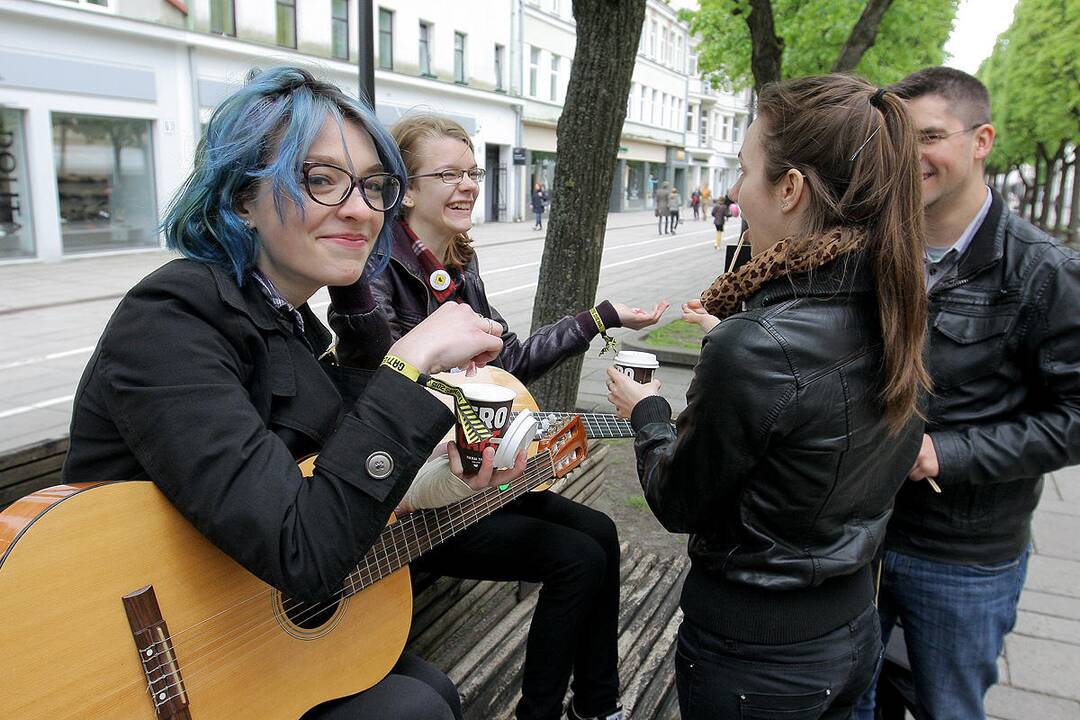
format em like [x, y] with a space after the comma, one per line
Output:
[781, 467]
[1004, 354]
[404, 300]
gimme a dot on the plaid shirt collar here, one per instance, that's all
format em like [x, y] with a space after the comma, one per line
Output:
[278, 301]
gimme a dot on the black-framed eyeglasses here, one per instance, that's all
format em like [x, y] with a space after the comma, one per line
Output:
[453, 177]
[331, 185]
[933, 138]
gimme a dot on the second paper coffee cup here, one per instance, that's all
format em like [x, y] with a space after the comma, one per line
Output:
[492, 404]
[639, 366]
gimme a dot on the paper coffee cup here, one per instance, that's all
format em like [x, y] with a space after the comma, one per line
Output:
[638, 366]
[492, 404]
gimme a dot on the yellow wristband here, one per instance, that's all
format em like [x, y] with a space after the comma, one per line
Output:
[609, 342]
[400, 366]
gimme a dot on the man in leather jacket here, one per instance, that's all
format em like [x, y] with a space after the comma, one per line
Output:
[1004, 355]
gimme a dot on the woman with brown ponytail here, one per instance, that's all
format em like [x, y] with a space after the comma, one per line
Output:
[802, 419]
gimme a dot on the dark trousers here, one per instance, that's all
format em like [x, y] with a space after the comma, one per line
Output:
[539, 217]
[414, 690]
[674, 220]
[820, 679]
[574, 551]
[663, 220]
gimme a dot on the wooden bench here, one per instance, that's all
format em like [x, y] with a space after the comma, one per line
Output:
[30, 468]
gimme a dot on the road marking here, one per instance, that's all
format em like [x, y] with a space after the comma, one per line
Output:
[609, 265]
[36, 406]
[50, 356]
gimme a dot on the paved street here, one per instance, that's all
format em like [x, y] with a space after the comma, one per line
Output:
[52, 314]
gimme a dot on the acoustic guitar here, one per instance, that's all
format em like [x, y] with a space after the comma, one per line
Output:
[113, 606]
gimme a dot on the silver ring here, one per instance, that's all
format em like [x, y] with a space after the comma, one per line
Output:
[491, 326]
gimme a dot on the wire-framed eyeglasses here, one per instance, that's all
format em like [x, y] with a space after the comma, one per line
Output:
[331, 185]
[929, 137]
[453, 177]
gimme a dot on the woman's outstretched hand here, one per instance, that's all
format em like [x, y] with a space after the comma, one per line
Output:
[624, 393]
[451, 337]
[636, 318]
[694, 312]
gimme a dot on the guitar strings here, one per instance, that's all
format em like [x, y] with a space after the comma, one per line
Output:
[385, 565]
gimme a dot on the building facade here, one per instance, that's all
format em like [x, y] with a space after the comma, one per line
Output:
[102, 102]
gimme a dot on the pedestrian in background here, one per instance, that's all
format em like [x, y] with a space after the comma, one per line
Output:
[719, 214]
[674, 205]
[660, 208]
[706, 198]
[1004, 355]
[695, 203]
[539, 201]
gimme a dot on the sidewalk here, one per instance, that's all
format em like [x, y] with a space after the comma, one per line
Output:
[35, 285]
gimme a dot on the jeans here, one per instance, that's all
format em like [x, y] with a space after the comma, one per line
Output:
[955, 620]
[574, 551]
[820, 679]
[539, 216]
[414, 690]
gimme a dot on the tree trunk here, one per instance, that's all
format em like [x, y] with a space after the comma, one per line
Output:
[1048, 187]
[1074, 215]
[588, 142]
[767, 50]
[1035, 185]
[1059, 200]
[862, 35]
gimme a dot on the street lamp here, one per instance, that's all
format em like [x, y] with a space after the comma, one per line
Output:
[366, 59]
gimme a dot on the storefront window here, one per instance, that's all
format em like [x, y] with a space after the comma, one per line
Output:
[16, 233]
[543, 172]
[635, 185]
[105, 179]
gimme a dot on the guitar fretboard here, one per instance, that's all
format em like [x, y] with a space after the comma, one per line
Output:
[597, 425]
[419, 531]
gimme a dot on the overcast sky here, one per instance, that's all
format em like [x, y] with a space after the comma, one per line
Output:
[978, 23]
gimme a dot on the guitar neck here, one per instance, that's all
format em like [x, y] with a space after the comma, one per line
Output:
[597, 425]
[419, 531]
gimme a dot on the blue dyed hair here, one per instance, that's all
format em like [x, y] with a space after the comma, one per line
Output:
[264, 131]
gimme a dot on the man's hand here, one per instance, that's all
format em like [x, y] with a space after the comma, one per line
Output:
[487, 476]
[624, 393]
[636, 318]
[926, 464]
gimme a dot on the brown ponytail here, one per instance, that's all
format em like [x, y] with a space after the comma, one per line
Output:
[409, 133]
[856, 147]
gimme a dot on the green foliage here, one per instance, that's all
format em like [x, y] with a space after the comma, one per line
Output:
[1033, 77]
[677, 333]
[812, 32]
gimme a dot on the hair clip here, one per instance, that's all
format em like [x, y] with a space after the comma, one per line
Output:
[856, 153]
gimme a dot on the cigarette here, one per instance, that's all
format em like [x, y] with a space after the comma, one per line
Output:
[936, 488]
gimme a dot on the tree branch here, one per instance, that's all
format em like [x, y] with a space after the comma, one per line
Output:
[862, 35]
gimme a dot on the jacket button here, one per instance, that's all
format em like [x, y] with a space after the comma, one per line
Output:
[379, 465]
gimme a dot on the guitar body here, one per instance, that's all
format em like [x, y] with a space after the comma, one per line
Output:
[69, 554]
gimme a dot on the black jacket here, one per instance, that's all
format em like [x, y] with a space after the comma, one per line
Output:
[1004, 354]
[202, 387]
[781, 467]
[404, 300]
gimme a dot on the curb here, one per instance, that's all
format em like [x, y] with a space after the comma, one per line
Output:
[665, 354]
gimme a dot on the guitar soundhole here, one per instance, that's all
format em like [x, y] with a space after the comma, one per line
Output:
[309, 615]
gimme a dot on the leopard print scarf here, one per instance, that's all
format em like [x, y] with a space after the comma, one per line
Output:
[727, 293]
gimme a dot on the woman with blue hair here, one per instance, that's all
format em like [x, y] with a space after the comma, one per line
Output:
[213, 378]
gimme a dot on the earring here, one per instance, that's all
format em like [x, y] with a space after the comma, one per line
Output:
[407, 202]
[249, 225]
